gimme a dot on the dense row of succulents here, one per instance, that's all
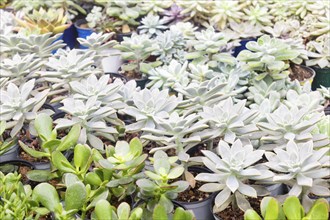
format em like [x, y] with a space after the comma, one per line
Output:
[124, 144]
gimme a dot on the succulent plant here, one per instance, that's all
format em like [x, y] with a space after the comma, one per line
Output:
[97, 42]
[18, 69]
[157, 189]
[292, 209]
[7, 22]
[128, 90]
[173, 14]
[311, 100]
[299, 166]
[232, 170]
[186, 28]
[8, 143]
[106, 93]
[155, 6]
[196, 10]
[325, 92]
[171, 44]
[229, 120]
[268, 56]
[152, 25]
[179, 213]
[92, 118]
[149, 106]
[103, 210]
[200, 94]
[301, 9]
[323, 126]
[288, 123]
[29, 6]
[257, 15]
[178, 132]
[69, 66]
[18, 106]
[99, 21]
[40, 45]
[245, 29]
[321, 27]
[200, 72]
[16, 198]
[167, 76]
[208, 44]
[318, 53]
[224, 12]
[136, 49]
[53, 21]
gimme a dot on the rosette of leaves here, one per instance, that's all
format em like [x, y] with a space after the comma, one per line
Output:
[173, 14]
[301, 9]
[258, 15]
[137, 49]
[323, 126]
[199, 94]
[325, 92]
[245, 29]
[98, 42]
[127, 92]
[318, 53]
[300, 167]
[171, 45]
[178, 132]
[100, 88]
[280, 10]
[199, 11]
[268, 56]
[7, 22]
[16, 198]
[45, 21]
[321, 27]
[155, 6]
[208, 45]
[40, 45]
[126, 11]
[260, 90]
[167, 76]
[152, 25]
[231, 72]
[311, 100]
[288, 123]
[19, 106]
[120, 168]
[157, 189]
[149, 106]
[92, 117]
[186, 28]
[18, 69]
[229, 120]
[224, 12]
[232, 170]
[200, 72]
[29, 6]
[69, 66]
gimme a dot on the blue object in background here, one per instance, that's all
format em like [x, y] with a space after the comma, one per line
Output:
[70, 36]
[59, 38]
[82, 32]
[243, 43]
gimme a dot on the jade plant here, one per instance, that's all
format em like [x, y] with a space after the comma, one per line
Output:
[104, 210]
[159, 188]
[18, 106]
[120, 169]
[270, 208]
[302, 168]
[232, 169]
[48, 142]
[159, 213]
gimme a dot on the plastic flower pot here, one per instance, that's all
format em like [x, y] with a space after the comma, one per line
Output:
[55, 108]
[120, 36]
[82, 32]
[243, 43]
[114, 76]
[112, 60]
[142, 82]
[277, 189]
[16, 162]
[322, 78]
[70, 36]
[201, 209]
[11, 154]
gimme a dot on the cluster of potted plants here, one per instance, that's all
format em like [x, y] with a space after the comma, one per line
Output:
[164, 110]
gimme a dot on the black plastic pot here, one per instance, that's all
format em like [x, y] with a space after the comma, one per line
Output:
[17, 162]
[201, 209]
[114, 76]
[322, 78]
[243, 43]
[327, 110]
[55, 108]
[11, 154]
[277, 189]
[142, 82]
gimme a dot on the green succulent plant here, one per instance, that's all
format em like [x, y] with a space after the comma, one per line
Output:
[224, 12]
[152, 25]
[103, 210]
[5, 144]
[291, 209]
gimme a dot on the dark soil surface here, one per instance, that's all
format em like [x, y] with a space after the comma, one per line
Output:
[132, 74]
[236, 214]
[299, 72]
